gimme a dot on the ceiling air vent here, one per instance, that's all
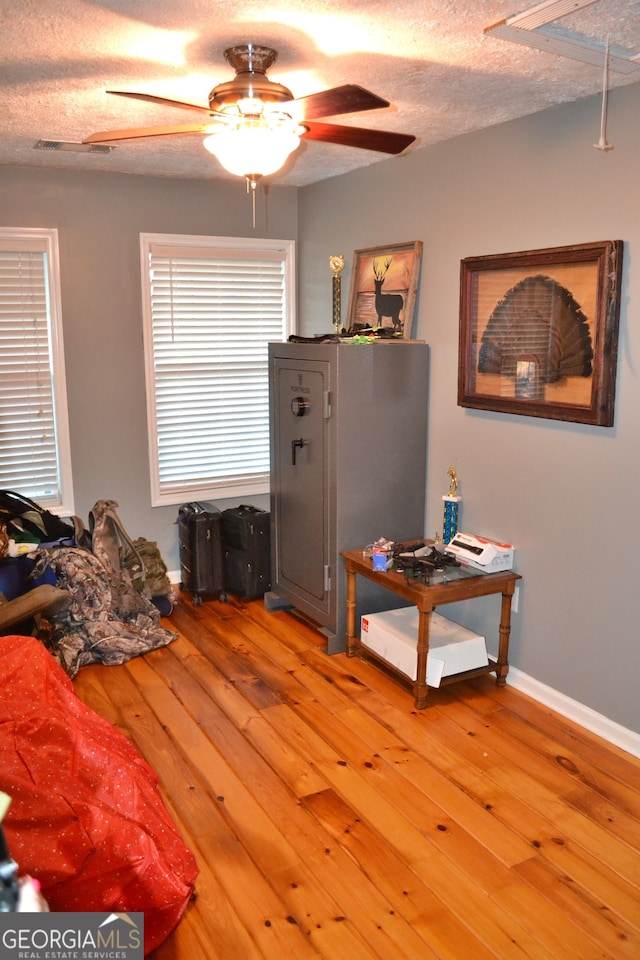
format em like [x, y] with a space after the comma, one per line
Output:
[72, 146]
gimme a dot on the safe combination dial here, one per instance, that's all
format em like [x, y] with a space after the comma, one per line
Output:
[299, 406]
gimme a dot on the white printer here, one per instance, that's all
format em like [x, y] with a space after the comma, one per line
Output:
[482, 553]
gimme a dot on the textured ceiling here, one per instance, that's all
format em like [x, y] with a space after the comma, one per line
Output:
[432, 59]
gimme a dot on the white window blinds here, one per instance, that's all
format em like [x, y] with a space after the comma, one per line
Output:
[34, 444]
[213, 306]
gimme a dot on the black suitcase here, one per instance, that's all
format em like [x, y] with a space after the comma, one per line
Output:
[246, 535]
[201, 552]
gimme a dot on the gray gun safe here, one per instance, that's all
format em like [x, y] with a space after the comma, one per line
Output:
[348, 428]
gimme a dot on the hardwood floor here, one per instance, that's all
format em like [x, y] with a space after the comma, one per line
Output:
[330, 819]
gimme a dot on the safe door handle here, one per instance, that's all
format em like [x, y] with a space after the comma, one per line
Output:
[297, 445]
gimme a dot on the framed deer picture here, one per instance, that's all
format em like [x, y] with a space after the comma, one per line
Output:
[384, 284]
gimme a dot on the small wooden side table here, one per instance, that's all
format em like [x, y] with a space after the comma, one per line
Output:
[426, 598]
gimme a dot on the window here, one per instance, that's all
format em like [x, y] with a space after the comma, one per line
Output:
[210, 307]
[34, 428]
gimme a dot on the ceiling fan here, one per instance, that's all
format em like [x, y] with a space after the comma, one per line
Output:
[253, 123]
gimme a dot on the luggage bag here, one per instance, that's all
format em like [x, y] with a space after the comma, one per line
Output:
[246, 535]
[201, 552]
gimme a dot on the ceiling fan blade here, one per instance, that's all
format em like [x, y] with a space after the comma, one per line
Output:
[151, 98]
[136, 133]
[349, 98]
[381, 140]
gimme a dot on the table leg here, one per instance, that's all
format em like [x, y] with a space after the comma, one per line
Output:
[420, 686]
[502, 666]
[351, 640]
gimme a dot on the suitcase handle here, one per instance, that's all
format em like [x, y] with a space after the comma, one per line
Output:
[194, 507]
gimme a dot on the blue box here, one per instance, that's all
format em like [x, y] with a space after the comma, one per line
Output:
[379, 561]
[15, 576]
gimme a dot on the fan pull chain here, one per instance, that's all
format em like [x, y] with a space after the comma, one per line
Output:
[252, 184]
[602, 142]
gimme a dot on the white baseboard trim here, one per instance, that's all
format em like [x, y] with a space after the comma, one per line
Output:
[573, 710]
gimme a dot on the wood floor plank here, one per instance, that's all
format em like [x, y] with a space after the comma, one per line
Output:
[293, 729]
[577, 863]
[221, 643]
[212, 928]
[243, 809]
[601, 925]
[501, 747]
[439, 798]
[97, 695]
[498, 930]
[448, 938]
[290, 766]
[603, 883]
[558, 934]
[212, 925]
[345, 920]
[332, 820]
[287, 629]
[471, 816]
[607, 815]
[407, 840]
[201, 816]
[602, 844]
[249, 665]
[408, 783]
[349, 888]
[561, 769]
[190, 941]
[331, 934]
[252, 769]
[531, 717]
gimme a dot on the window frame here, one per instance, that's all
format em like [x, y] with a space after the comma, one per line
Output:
[227, 487]
[29, 240]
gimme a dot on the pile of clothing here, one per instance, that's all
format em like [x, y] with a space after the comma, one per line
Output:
[118, 588]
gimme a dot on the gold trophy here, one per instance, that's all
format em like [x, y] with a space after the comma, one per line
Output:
[451, 508]
[337, 266]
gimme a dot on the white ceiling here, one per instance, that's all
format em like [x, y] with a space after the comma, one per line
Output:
[432, 59]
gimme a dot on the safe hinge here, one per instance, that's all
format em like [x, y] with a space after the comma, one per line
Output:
[327, 578]
[327, 404]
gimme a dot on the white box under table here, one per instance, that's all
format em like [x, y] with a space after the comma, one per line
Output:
[460, 584]
[393, 636]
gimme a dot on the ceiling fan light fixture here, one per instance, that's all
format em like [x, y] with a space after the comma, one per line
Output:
[254, 146]
[255, 124]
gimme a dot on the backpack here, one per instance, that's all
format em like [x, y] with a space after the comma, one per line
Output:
[137, 562]
[27, 522]
[156, 575]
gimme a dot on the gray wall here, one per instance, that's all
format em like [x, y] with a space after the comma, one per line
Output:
[99, 218]
[564, 494]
